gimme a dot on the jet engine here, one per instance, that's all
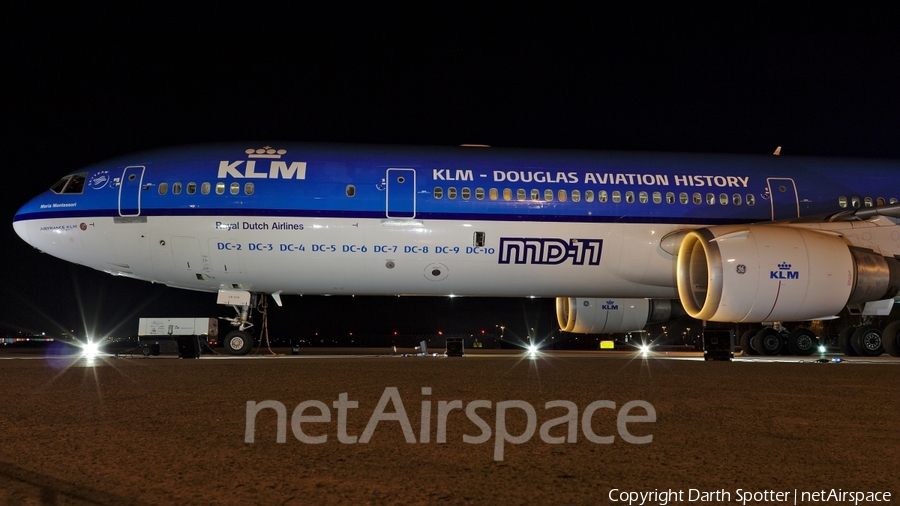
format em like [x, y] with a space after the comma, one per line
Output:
[763, 273]
[611, 316]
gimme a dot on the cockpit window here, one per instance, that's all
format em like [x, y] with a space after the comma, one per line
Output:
[70, 184]
[76, 184]
[58, 187]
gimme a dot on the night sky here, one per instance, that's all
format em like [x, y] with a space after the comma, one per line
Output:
[86, 84]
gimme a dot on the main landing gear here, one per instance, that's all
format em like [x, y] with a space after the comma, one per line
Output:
[867, 340]
[864, 340]
[770, 341]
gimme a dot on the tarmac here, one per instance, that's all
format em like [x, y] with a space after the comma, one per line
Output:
[162, 430]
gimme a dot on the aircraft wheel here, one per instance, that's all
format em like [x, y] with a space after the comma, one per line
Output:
[746, 345]
[866, 341]
[802, 342]
[238, 342]
[768, 342]
[844, 340]
[890, 339]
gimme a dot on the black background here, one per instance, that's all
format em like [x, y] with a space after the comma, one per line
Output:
[85, 84]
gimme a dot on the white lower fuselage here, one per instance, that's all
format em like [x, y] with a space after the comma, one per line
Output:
[367, 256]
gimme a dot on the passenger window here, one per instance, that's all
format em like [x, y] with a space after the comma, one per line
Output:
[657, 198]
[854, 201]
[736, 198]
[438, 192]
[479, 193]
[220, 188]
[868, 201]
[176, 188]
[561, 195]
[880, 201]
[751, 199]
[235, 188]
[601, 197]
[451, 192]
[616, 197]
[576, 196]
[710, 198]
[191, 188]
[723, 199]
[670, 198]
[842, 201]
[548, 195]
[589, 195]
[249, 188]
[466, 193]
[520, 194]
[494, 194]
[683, 198]
[629, 197]
[893, 201]
[698, 199]
[350, 190]
[642, 198]
[535, 194]
[204, 188]
[163, 188]
[507, 194]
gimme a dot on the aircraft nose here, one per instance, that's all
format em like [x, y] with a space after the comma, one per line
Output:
[20, 227]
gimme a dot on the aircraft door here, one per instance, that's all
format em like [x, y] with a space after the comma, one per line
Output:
[783, 198]
[130, 191]
[400, 193]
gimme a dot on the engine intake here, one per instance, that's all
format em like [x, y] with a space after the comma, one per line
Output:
[770, 273]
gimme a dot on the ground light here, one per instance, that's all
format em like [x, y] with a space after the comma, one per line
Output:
[90, 349]
[644, 349]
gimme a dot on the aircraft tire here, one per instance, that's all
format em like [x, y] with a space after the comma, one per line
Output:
[802, 342]
[844, 341]
[867, 342]
[768, 341]
[890, 339]
[746, 346]
[238, 342]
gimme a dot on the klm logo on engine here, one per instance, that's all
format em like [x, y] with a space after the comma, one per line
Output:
[610, 306]
[784, 272]
[544, 251]
[275, 169]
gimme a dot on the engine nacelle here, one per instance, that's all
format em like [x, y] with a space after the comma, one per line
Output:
[770, 273]
[610, 316]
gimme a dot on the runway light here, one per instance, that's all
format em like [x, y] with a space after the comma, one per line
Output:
[822, 349]
[532, 349]
[90, 349]
[644, 349]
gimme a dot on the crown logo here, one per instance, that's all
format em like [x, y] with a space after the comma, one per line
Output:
[784, 266]
[265, 152]
[610, 302]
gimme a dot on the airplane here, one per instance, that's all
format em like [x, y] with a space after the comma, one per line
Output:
[619, 239]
